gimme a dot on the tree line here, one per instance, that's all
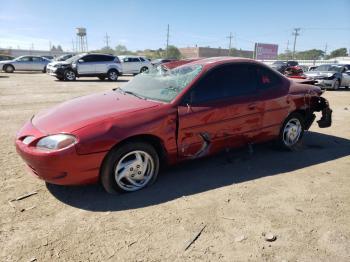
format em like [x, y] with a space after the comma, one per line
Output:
[313, 54]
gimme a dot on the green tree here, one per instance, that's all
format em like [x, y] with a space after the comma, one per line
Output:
[122, 50]
[312, 54]
[338, 52]
[173, 52]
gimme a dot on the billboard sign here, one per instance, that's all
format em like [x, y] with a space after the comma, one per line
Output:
[266, 51]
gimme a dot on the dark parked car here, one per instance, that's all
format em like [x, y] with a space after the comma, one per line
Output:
[5, 57]
[281, 66]
[122, 136]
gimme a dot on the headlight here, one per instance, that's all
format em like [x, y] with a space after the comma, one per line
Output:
[56, 142]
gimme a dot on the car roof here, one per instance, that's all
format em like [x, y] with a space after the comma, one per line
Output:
[214, 61]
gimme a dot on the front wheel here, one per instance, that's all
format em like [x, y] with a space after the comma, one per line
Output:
[130, 167]
[69, 75]
[144, 70]
[9, 69]
[292, 131]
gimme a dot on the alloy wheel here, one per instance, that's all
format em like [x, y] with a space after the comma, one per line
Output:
[292, 132]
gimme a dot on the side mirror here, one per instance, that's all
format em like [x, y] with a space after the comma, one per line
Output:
[81, 61]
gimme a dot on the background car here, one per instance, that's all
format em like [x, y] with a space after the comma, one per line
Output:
[25, 63]
[6, 57]
[157, 62]
[64, 57]
[121, 137]
[331, 76]
[86, 65]
[134, 64]
[281, 66]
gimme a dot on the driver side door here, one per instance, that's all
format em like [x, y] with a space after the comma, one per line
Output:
[86, 65]
[221, 110]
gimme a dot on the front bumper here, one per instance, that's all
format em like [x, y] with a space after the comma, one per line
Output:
[323, 83]
[63, 167]
[54, 71]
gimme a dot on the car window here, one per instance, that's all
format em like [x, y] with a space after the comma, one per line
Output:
[103, 58]
[267, 78]
[89, 58]
[134, 59]
[25, 59]
[225, 81]
[142, 59]
[37, 59]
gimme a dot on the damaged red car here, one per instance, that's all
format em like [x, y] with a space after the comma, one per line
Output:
[121, 137]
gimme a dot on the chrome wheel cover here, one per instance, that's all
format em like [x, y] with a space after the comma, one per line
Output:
[292, 132]
[134, 170]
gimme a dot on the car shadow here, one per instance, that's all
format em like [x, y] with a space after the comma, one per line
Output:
[193, 177]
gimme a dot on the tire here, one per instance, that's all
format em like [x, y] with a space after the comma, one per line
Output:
[144, 69]
[292, 131]
[336, 84]
[112, 75]
[44, 70]
[69, 75]
[122, 166]
[9, 68]
[102, 78]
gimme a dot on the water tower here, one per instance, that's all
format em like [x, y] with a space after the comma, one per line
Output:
[82, 45]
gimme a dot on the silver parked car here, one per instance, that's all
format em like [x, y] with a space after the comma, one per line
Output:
[25, 63]
[331, 76]
[134, 64]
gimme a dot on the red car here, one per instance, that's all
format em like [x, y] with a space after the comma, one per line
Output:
[121, 137]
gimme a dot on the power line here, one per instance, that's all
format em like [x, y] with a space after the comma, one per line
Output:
[107, 40]
[296, 34]
[230, 43]
[167, 42]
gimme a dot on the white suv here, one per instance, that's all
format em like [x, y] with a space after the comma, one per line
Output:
[134, 64]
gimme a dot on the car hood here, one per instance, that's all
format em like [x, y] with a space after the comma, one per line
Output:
[5, 61]
[320, 73]
[54, 63]
[83, 111]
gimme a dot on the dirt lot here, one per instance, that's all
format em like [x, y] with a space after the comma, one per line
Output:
[302, 197]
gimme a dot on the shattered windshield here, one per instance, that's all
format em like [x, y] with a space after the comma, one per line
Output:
[162, 85]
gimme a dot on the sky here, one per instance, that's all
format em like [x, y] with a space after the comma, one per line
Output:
[142, 25]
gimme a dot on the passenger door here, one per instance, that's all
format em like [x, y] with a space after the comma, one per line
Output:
[24, 63]
[86, 65]
[273, 94]
[221, 110]
[101, 63]
[346, 76]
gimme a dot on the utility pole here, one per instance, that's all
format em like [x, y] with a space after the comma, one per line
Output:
[50, 46]
[230, 43]
[73, 49]
[107, 40]
[167, 42]
[325, 51]
[296, 34]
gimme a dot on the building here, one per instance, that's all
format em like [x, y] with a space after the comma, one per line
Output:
[196, 52]
[20, 52]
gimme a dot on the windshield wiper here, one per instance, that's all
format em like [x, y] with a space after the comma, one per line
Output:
[134, 94]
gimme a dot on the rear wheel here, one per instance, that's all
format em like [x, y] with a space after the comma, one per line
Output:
[112, 75]
[144, 69]
[69, 75]
[292, 131]
[9, 69]
[130, 167]
[44, 70]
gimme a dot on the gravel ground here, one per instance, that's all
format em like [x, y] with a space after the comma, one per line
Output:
[230, 201]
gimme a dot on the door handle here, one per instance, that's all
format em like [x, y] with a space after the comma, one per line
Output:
[252, 106]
